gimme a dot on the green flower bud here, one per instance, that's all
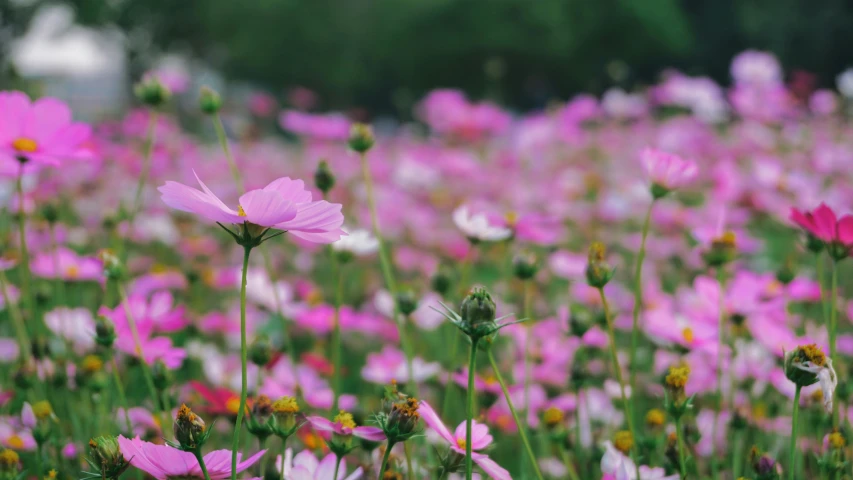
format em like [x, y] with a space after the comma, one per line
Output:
[407, 302]
[723, 250]
[209, 101]
[105, 457]
[524, 266]
[189, 429]
[361, 138]
[441, 282]
[795, 361]
[105, 333]
[598, 271]
[323, 177]
[161, 374]
[261, 422]
[50, 213]
[151, 92]
[260, 351]
[478, 308]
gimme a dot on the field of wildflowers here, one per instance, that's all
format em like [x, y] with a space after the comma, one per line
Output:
[644, 286]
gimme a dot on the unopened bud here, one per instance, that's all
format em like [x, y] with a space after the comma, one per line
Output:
[189, 429]
[478, 307]
[598, 271]
[151, 92]
[105, 333]
[407, 302]
[260, 351]
[106, 458]
[324, 179]
[524, 265]
[361, 138]
[209, 101]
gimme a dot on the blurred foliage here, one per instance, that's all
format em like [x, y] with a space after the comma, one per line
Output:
[384, 53]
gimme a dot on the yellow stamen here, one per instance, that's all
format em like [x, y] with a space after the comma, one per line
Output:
[92, 364]
[72, 271]
[15, 442]
[623, 441]
[655, 417]
[687, 333]
[511, 218]
[345, 419]
[9, 458]
[240, 211]
[678, 376]
[460, 442]
[233, 405]
[285, 405]
[42, 409]
[25, 145]
[552, 416]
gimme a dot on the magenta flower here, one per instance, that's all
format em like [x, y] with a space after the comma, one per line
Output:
[152, 348]
[163, 462]
[823, 224]
[345, 426]
[480, 439]
[667, 171]
[40, 132]
[65, 264]
[284, 204]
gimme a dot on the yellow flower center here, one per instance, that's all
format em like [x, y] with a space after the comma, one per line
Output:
[678, 376]
[623, 441]
[814, 354]
[511, 218]
[240, 211]
[314, 298]
[837, 440]
[552, 416]
[15, 442]
[285, 405]
[345, 419]
[92, 363]
[9, 458]
[460, 442]
[42, 409]
[73, 271]
[312, 441]
[655, 417]
[51, 474]
[25, 145]
[687, 333]
[233, 405]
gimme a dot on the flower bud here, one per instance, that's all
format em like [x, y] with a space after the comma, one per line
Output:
[478, 308]
[189, 429]
[723, 250]
[676, 399]
[10, 464]
[407, 302]
[50, 213]
[361, 138]
[441, 282]
[113, 268]
[598, 271]
[105, 457]
[151, 92]
[285, 411]
[552, 418]
[209, 101]
[524, 266]
[324, 179]
[655, 418]
[797, 364]
[105, 333]
[161, 375]
[623, 441]
[764, 465]
[814, 244]
[261, 421]
[260, 351]
[402, 420]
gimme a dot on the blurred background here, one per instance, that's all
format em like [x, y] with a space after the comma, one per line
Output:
[380, 56]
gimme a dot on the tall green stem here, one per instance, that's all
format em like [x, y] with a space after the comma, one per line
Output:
[638, 300]
[615, 359]
[794, 423]
[17, 319]
[472, 366]
[387, 271]
[385, 460]
[528, 340]
[235, 445]
[518, 423]
[197, 453]
[718, 405]
[26, 277]
[146, 369]
[682, 459]
[121, 397]
[454, 340]
[336, 336]
[223, 142]
[833, 329]
[150, 137]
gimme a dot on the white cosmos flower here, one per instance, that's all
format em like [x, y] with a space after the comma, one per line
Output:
[477, 226]
[359, 242]
[844, 82]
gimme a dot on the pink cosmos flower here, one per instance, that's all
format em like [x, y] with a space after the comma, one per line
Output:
[284, 204]
[67, 265]
[163, 462]
[390, 364]
[616, 466]
[374, 434]
[667, 170]
[153, 348]
[41, 132]
[480, 439]
[827, 227]
[305, 466]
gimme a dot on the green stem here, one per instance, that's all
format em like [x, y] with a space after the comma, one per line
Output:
[738, 453]
[638, 299]
[454, 340]
[243, 387]
[18, 320]
[682, 459]
[408, 461]
[833, 329]
[336, 335]
[567, 461]
[337, 467]
[615, 359]
[528, 340]
[197, 453]
[472, 366]
[121, 397]
[385, 460]
[794, 423]
[718, 405]
[518, 423]
[146, 369]
[26, 276]
[39, 468]
[223, 142]
[150, 137]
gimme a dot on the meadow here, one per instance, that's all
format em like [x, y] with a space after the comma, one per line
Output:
[645, 285]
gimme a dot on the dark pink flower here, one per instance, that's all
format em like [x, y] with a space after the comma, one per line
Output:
[823, 224]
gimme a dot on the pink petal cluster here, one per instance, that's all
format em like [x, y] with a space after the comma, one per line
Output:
[164, 462]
